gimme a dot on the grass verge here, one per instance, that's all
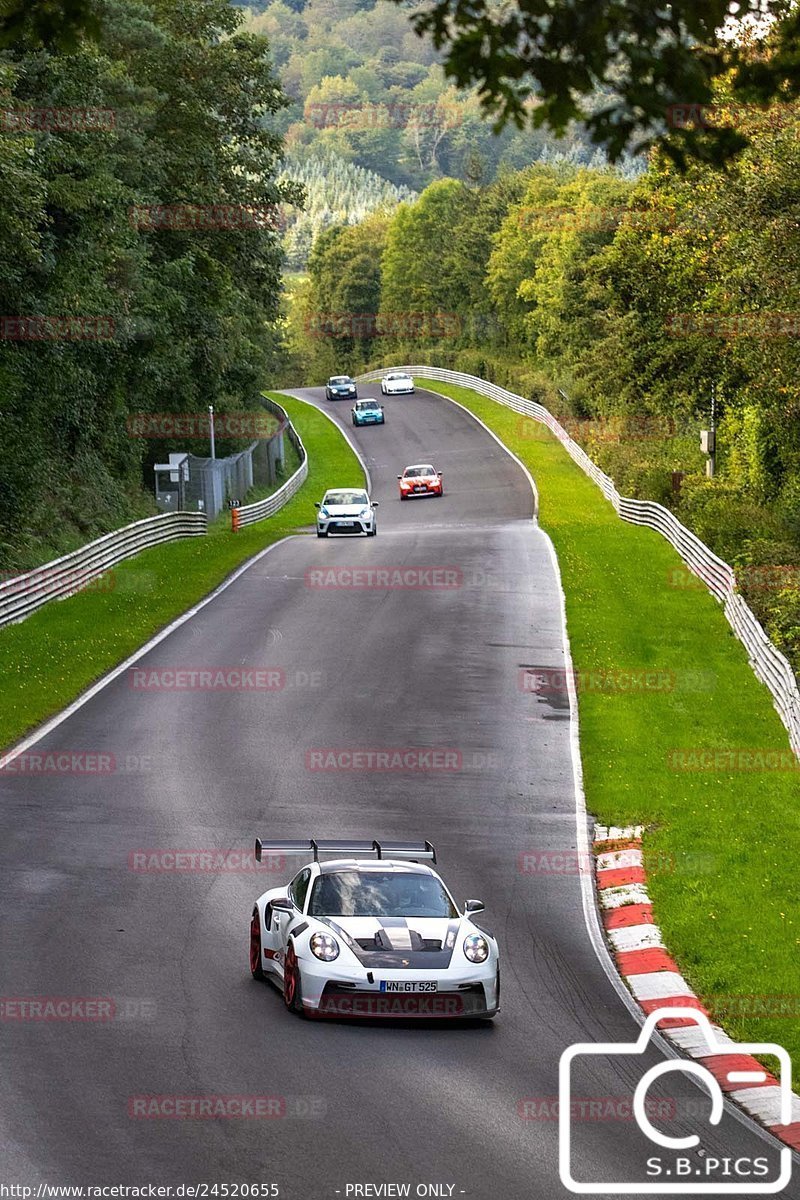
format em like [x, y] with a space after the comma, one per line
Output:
[48, 660]
[721, 871]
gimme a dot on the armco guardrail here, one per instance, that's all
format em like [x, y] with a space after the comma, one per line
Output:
[23, 594]
[249, 513]
[768, 663]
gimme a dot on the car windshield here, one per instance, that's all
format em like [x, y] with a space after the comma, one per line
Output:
[379, 894]
[413, 472]
[336, 379]
[396, 377]
[367, 405]
[346, 498]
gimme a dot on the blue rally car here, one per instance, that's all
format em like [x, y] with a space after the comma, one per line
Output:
[341, 387]
[368, 412]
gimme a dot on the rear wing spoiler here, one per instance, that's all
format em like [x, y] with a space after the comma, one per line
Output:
[413, 851]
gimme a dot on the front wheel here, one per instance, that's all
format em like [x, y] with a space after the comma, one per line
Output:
[322, 533]
[372, 532]
[292, 993]
[256, 969]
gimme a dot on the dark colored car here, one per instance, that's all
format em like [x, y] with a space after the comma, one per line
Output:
[341, 387]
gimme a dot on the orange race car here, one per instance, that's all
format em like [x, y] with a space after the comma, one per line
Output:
[421, 480]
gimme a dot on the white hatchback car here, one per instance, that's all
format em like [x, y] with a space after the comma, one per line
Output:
[373, 933]
[346, 511]
[397, 383]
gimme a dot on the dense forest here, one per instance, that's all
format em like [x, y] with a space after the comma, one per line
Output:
[139, 307]
[363, 86]
[337, 192]
[622, 304]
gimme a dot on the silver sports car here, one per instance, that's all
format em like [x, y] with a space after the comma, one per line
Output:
[373, 932]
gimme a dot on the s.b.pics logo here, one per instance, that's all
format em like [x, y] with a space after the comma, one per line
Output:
[679, 1154]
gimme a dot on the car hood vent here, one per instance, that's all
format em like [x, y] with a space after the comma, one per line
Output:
[385, 939]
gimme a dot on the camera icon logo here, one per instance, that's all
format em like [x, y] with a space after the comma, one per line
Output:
[668, 1182]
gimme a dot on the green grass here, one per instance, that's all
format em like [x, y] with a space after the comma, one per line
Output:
[48, 660]
[725, 881]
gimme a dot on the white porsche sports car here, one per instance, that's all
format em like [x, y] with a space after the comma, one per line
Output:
[372, 933]
[397, 383]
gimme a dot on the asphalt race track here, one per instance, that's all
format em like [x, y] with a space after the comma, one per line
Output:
[469, 1108]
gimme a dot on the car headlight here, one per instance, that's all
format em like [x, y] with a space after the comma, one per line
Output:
[324, 946]
[476, 948]
[323, 513]
[364, 512]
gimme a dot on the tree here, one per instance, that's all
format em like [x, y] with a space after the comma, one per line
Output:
[648, 59]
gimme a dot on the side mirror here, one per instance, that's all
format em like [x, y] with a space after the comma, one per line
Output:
[282, 904]
[474, 906]
[376, 503]
[399, 476]
[316, 504]
[439, 473]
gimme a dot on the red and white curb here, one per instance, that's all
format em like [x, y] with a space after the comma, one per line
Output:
[656, 982]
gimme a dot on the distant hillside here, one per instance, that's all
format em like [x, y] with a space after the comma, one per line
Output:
[365, 88]
[338, 192]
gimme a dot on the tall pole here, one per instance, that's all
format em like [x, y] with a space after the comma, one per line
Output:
[211, 428]
[712, 458]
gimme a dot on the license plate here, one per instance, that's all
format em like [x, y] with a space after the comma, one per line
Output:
[409, 985]
[420, 488]
[347, 524]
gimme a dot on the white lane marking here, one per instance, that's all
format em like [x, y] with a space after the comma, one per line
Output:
[658, 985]
[693, 1041]
[764, 1103]
[636, 937]
[614, 860]
[115, 672]
[616, 833]
[623, 895]
[340, 427]
[746, 1076]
